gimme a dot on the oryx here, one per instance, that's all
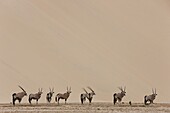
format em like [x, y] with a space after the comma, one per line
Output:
[119, 96]
[49, 95]
[150, 98]
[87, 95]
[18, 96]
[63, 96]
[35, 96]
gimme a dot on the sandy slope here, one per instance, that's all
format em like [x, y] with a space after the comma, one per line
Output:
[77, 108]
[79, 43]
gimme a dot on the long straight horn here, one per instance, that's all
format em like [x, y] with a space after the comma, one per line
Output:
[153, 91]
[90, 88]
[67, 88]
[85, 90]
[70, 89]
[120, 88]
[21, 88]
[53, 90]
[124, 88]
[41, 89]
[50, 89]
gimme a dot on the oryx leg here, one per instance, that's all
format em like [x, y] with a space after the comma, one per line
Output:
[90, 100]
[65, 101]
[30, 100]
[36, 101]
[82, 100]
[151, 101]
[19, 100]
[58, 100]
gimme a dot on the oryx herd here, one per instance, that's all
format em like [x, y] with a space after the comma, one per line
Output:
[117, 97]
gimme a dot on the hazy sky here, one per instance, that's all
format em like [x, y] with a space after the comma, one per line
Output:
[79, 43]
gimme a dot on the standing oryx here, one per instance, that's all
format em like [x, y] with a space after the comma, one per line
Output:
[35, 96]
[63, 96]
[49, 95]
[150, 98]
[87, 95]
[119, 96]
[18, 96]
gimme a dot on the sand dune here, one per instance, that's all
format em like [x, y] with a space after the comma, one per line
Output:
[80, 43]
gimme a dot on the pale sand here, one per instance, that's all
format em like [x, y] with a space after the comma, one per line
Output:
[86, 108]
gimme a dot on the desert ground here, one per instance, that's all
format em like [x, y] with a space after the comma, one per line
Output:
[99, 107]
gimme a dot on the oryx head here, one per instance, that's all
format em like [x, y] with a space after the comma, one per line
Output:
[40, 91]
[123, 91]
[92, 91]
[68, 90]
[51, 90]
[25, 93]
